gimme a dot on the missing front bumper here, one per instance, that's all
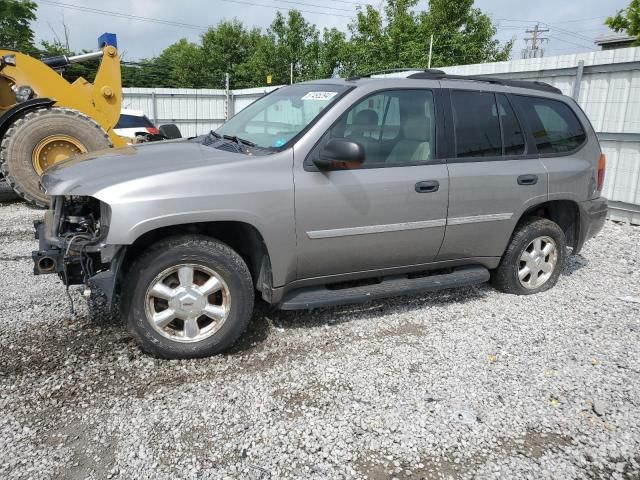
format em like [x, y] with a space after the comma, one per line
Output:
[47, 259]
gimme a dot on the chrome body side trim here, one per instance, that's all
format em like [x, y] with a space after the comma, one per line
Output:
[391, 227]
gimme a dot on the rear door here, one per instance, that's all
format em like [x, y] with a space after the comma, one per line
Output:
[495, 174]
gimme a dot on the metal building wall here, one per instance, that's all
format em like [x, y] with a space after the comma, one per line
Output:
[194, 111]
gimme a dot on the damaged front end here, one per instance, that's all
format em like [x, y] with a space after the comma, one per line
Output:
[71, 243]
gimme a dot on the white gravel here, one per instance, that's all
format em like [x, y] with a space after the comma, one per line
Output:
[458, 384]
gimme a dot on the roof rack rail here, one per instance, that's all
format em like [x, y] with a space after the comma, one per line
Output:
[532, 85]
[399, 70]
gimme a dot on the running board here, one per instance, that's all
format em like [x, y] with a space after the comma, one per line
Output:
[314, 297]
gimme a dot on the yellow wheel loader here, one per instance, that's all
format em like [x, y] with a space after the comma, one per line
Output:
[44, 119]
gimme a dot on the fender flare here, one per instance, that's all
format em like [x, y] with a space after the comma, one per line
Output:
[10, 115]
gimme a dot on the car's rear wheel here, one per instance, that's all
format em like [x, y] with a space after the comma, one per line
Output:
[533, 259]
[188, 297]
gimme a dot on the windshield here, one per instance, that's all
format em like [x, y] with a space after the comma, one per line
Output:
[274, 119]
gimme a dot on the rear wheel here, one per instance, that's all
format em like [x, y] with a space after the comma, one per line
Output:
[533, 259]
[41, 139]
[188, 297]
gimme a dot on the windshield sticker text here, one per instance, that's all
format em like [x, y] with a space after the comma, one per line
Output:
[319, 96]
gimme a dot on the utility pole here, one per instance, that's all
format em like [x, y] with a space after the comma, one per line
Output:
[534, 43]
[227, 106]
[291, 76]
[430, 51]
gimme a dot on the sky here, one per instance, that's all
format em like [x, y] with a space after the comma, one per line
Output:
[573, 24]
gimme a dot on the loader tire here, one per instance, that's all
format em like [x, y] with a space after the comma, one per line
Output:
[42, 138]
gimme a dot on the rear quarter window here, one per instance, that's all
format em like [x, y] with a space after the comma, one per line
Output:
[555, 126]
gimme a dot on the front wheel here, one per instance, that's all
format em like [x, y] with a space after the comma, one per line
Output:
[188, 297]
[533, 259]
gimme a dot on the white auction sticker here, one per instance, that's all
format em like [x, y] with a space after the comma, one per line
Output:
[319, 95]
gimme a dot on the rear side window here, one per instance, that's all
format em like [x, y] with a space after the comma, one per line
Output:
[554, 125]
[485, 125]
[133, 121]
[477, 126]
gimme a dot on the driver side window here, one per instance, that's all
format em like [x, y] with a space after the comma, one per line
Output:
[395, 127]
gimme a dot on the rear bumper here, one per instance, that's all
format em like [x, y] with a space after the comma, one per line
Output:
[593, 214]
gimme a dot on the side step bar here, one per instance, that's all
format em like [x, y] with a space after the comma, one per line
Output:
[314, 297]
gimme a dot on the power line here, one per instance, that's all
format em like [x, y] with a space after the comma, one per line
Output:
[363, 4]
[123, 15]
[314, 5]
[567, 41]
[550, 26]
[583, 19]
[288, 9]
[568, 32]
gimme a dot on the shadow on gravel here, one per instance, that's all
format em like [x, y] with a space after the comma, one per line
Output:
[7, 195]
[266, 317]
[573, 264]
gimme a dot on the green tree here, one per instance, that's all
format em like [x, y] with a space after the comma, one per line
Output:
[627, 20]
[291, 40]
[15, 25]
[179, 65]
[462, 35]
[367, 45]
[333, 53]
[225, 49]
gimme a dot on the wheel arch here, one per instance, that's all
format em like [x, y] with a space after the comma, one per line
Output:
[566, 213]
[242, 237]
[20, 109]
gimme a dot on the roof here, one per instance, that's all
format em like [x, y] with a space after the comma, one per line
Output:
[431, 74]
[610, 38]
[134, 113]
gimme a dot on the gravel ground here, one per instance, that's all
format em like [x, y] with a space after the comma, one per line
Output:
[457, 384]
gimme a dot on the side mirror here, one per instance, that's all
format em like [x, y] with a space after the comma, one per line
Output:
[340, 154]
[170, 131]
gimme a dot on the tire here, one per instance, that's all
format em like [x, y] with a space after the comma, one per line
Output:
[211, 261]
[511, 275]
[25, 134]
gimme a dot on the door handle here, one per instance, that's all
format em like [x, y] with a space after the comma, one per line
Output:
[427, 186]
[527, 179]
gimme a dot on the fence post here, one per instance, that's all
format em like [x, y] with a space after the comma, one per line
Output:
[154, 107]
[227, 107]
[578, 80]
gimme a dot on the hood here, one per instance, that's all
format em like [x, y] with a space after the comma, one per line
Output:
[93, 172]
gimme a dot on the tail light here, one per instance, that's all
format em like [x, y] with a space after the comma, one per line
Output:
[602, 165]
[153, 130]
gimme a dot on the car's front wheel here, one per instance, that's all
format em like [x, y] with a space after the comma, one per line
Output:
[533, 259]
[188, 297]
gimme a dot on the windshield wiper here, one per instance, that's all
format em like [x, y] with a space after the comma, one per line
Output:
[238, 140]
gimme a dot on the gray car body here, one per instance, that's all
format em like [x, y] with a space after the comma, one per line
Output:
[321, 227]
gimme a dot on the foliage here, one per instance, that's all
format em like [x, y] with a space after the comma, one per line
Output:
[627, 20]
[397, 36]
[15, 30]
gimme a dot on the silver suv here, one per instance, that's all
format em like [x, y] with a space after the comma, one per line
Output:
[328, 192]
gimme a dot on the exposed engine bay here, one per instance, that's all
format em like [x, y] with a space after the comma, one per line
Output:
[70, 237]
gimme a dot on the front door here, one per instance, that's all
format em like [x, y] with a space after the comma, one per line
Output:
[389, 213]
